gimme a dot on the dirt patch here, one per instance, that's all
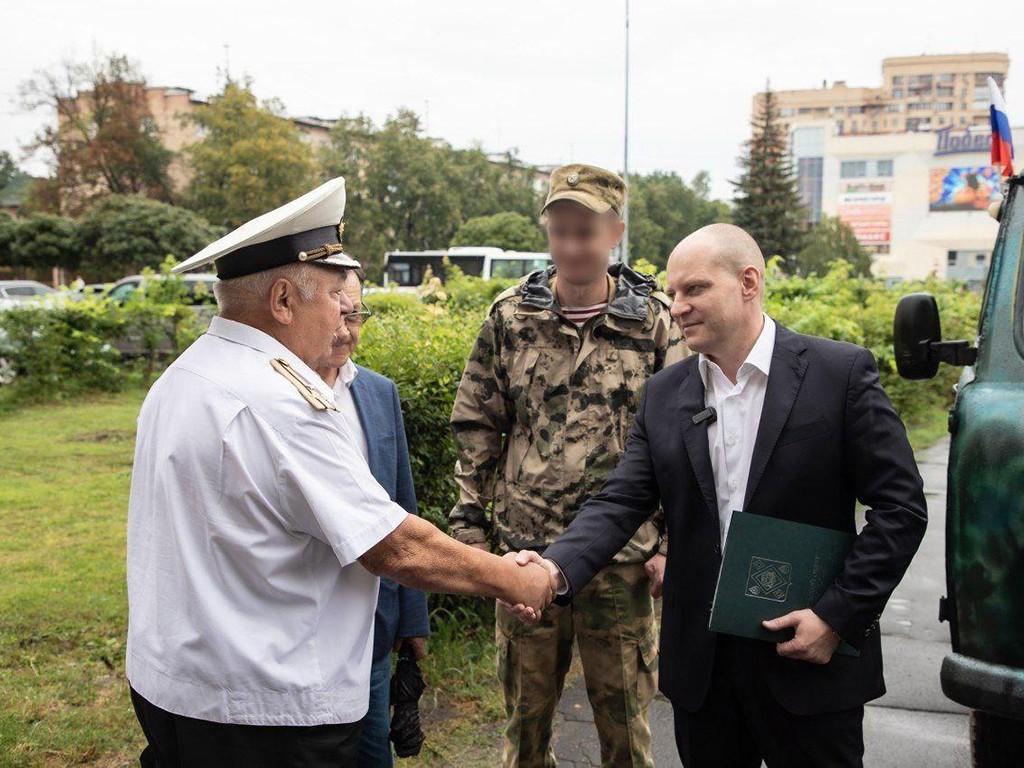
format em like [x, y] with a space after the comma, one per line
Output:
[104, 436]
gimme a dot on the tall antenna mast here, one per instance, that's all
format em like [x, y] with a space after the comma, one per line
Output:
[624, 250]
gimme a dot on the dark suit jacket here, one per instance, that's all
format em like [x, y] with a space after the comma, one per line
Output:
[828, 437]
[401, 612]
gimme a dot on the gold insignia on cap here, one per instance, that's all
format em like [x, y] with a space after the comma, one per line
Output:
[312, 395]
[573, 179]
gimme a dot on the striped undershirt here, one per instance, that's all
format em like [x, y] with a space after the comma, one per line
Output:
[579, 315]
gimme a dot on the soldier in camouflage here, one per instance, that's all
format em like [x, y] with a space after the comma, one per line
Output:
[540, 420]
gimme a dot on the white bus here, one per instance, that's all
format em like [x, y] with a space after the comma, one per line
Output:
[406, 268]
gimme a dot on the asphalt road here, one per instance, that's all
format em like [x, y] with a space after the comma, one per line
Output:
[912, 725]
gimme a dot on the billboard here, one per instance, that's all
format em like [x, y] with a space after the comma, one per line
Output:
[866, 207]
[962, 189]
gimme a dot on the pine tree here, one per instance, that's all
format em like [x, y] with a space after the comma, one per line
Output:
[767, 204]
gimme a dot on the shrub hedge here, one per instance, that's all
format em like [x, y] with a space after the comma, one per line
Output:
[423, 347]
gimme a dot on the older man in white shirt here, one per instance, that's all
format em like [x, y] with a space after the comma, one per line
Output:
[256, 532]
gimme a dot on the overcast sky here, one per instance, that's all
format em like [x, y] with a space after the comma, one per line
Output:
[543, 77]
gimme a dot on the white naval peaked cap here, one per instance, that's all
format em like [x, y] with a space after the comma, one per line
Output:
[308, 229]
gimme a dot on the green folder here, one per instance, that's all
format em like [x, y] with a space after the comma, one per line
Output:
[772, 567]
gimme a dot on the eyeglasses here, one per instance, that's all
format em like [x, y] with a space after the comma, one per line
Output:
[356, 319]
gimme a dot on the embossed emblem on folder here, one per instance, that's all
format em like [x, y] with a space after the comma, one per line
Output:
[769, 579]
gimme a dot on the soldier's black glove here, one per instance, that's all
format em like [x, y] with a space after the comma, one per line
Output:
[406, 688]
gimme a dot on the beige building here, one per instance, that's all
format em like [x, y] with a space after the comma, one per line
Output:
[917, 200]
[172, 109]
[918, 93]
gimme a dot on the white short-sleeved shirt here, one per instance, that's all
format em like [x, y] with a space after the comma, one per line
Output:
[248, 511]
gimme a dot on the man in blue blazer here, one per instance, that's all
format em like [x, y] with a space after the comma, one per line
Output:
[371, 408]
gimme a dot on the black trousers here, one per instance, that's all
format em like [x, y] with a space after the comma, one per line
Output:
[176, 741]
[741, 723]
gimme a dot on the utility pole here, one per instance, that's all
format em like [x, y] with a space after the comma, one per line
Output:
[624, 250]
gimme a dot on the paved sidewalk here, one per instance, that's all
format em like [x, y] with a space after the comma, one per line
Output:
[912, 725]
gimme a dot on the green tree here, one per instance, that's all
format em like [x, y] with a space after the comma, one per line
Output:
[7, 230]
[766, 202]
[251, 158]
[508, 230]
[8, 170]
[663, 209]
[406, 191]
[125, 235]
[104, 139]
[44, 240]
[828, 241]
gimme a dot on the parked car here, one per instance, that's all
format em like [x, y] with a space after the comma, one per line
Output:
[985, 499]
[15, 292]
[90, 290]
[198, 295]
[198, 287]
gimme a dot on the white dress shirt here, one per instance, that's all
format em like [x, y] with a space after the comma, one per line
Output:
[347, 404]
[731, 436]
[248, 511]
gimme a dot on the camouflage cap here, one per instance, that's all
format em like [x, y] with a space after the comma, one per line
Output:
[599, 190]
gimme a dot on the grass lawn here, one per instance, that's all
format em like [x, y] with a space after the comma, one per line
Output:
[65, 473]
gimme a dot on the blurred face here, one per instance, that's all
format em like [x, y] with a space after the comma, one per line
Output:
[580, 241]
[343, 346]
[318, 323]
[709, 303]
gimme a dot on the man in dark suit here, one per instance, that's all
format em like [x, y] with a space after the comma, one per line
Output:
[369, 402]
[801, 430]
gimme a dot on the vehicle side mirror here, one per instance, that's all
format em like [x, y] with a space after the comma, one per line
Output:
[917, 339]
[915, 327]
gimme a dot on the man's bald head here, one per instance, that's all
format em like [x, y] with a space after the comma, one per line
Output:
[726, 245]
[716, 280]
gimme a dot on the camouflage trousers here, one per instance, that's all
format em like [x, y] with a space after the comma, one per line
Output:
[612, 621]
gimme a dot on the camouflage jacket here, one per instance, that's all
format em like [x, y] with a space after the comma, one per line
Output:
[543, 409]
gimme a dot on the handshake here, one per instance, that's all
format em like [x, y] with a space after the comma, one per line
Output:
[538, 582]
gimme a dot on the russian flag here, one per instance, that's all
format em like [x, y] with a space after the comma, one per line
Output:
[1002, 141]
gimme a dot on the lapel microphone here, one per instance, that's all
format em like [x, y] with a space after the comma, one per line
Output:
[708, 415]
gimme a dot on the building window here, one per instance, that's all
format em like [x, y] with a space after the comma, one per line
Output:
[786, 112]
[981, 79]
[809, 185]
[883, 168]
[854, 110]
[897, 80]
[918, 84]
[945, 77]
[853, 169]
[919, 105]
[897, 93]
[951, 258]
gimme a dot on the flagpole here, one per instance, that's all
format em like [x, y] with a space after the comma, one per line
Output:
[624, 250]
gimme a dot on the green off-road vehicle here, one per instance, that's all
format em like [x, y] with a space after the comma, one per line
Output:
[985, 500]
